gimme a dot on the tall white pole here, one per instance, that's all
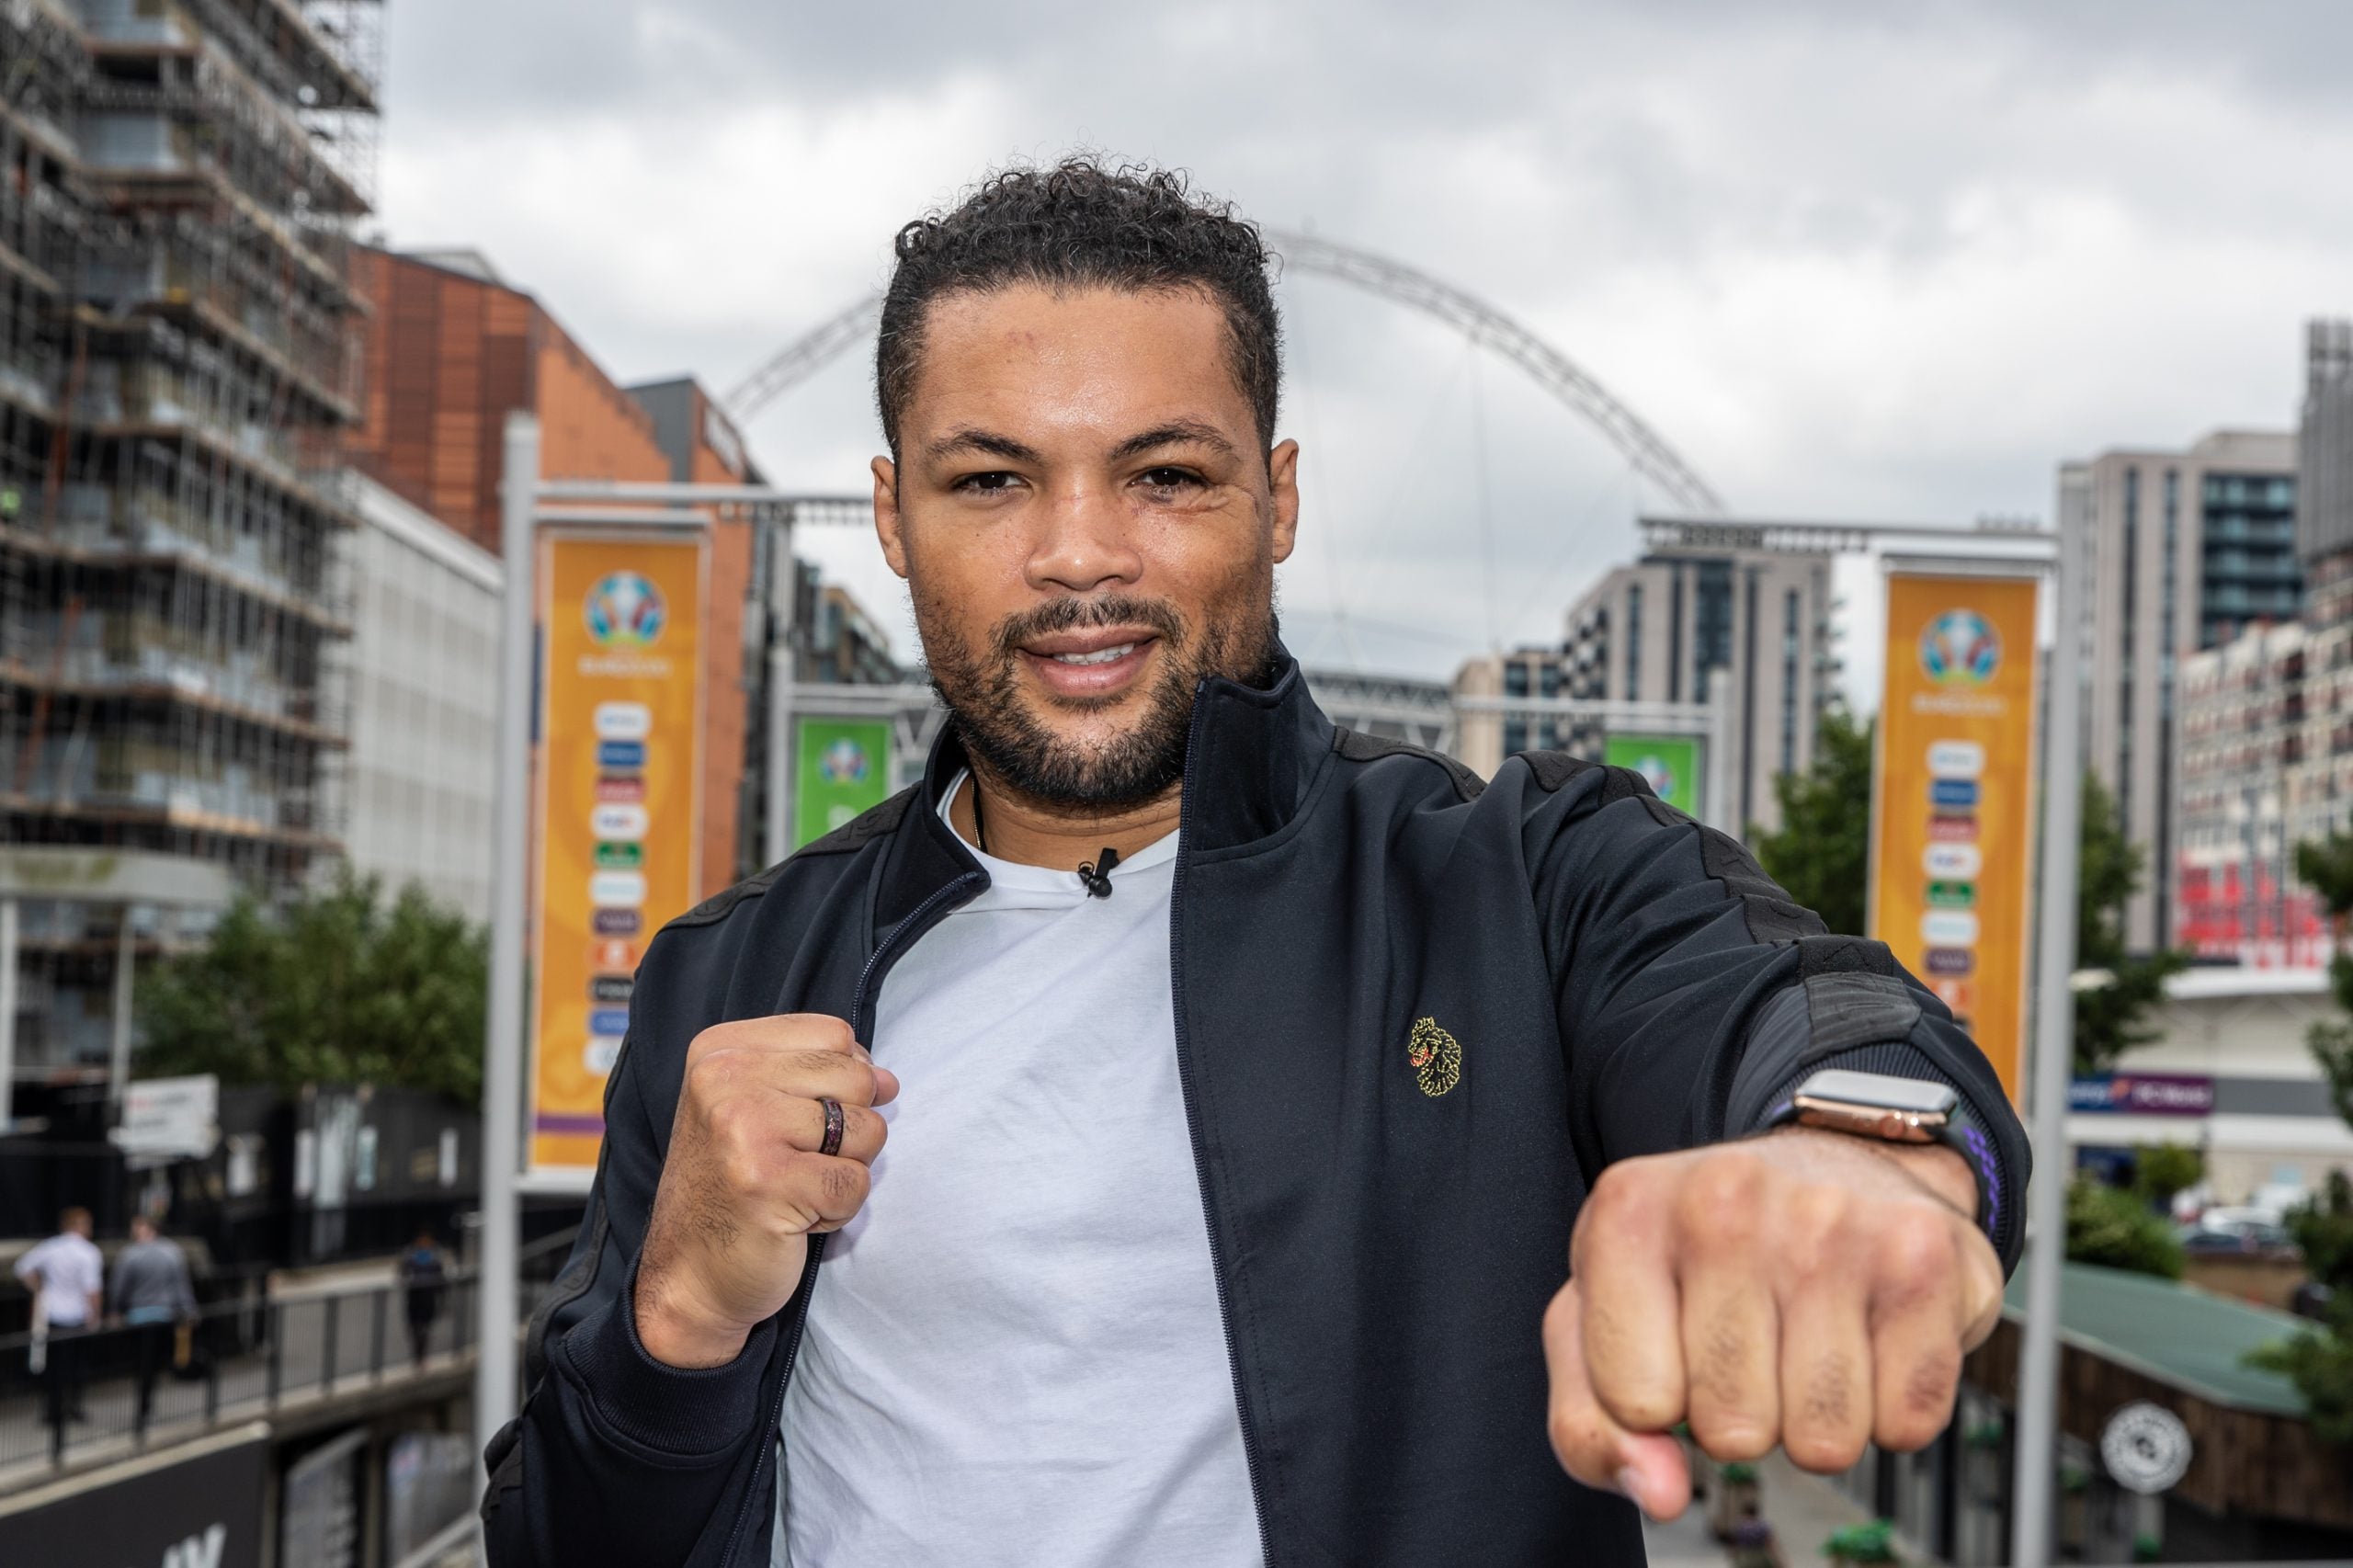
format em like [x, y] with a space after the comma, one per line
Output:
[2055, 1050]
[502, 1105]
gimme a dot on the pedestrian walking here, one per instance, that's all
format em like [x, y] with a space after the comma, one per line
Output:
[150, 1296]
[425, 1273]
[65, 1275]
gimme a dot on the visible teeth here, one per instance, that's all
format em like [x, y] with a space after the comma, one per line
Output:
[1101, 656]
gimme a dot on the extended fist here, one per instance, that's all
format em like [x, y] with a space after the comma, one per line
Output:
[1807, 1289]
[743, 1186]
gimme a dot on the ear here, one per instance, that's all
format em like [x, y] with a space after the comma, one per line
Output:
[887, 522]
[1283, 473]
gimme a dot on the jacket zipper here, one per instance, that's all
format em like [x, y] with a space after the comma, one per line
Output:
[817, 1243]
[1193, 1126]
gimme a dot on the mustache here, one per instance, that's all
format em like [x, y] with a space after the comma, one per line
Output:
[1071, 613]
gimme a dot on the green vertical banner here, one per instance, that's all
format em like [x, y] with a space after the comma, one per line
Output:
[1670, 763]
[841, 767]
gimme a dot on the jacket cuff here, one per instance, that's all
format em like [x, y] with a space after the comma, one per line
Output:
[690, 1412]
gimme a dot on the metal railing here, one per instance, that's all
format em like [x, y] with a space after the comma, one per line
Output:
[256, 1352]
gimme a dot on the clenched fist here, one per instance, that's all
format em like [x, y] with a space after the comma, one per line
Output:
[743, 1186]
[1808, 1289]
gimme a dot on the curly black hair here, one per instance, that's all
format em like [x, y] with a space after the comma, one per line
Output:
[1084, 223]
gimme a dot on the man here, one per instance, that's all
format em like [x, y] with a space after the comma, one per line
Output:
[65, 1274]
[424, 1277]
[151, 1294]
[1287, 1134]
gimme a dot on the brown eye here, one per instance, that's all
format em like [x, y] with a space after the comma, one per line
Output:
[1168, 478]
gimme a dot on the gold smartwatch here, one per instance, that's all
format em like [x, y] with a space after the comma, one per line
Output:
[1896, 1110]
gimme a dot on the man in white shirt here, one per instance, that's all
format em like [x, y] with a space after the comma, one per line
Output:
[66, 1275]
[1309, 1152]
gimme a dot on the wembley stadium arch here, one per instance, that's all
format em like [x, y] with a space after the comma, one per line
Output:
[1560, 377]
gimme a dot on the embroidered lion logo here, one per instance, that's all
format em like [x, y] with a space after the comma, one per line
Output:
[1437, 1057]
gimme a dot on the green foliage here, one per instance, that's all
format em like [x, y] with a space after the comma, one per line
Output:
[2321, 1365]
[328, 987]
[2109, 1018]
[1873, 1542]
[2322, 1229]
[1736, 1472]
[2160, 1170]
[2111, 1227]
[1822, 854]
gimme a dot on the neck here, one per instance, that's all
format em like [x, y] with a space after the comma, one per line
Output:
[1029, 832]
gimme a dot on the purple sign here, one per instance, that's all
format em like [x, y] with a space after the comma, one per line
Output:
[2142, 1093]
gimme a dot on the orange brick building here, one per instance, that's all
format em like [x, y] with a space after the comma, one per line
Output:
[450, 350]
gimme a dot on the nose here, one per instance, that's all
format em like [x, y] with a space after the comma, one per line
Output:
[1085, 541]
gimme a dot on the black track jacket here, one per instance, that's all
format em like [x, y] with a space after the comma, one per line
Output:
[1615, 980]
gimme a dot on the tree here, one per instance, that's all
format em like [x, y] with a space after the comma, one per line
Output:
[1822, 854]
[2107, 873]
[328, 986]
[2111, 1227]
[2160, 1170]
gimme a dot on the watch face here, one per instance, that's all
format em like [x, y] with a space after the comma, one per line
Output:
[1882, 1091]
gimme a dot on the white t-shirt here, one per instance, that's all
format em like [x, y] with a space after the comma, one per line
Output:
[72, 1271]
[1014, 1355]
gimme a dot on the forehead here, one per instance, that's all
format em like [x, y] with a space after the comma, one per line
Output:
[1093, 358]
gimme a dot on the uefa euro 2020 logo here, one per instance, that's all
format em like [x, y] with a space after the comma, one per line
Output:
[624, 611]
[1958, 648]
[843, 761]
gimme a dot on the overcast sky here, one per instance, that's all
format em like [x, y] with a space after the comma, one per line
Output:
[1851, 261]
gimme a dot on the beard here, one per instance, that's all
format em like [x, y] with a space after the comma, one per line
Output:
[1005, 733]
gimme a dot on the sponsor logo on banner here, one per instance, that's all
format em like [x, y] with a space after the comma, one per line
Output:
[1953, 830]
[1960, 996]
[610, 988]
[1954, 961]
[617, 822]
[627, 856]
[1948, 928]
[1956, 759]
[617, 922]
[620, 789]
[601, 1051]
[608, 890]
[1952, 895]
[1960, 648]
[612, 958]
[1952, 794]
[624, 611]
[2142, 1093]
[620, 754]
[1956, 861]
[608, 1021]
[623, 721]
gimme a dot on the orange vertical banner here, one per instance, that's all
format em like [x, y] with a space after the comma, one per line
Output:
[1953, 798]
[619, 771]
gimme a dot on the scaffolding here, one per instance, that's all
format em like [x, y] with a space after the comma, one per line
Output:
[178, 184]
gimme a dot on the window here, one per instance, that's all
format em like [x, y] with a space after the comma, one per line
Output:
[1791, 642]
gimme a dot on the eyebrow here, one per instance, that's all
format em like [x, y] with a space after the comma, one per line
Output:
[984, 441]
[1175, 432]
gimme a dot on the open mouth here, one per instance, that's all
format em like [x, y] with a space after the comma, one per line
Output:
[1094, 662]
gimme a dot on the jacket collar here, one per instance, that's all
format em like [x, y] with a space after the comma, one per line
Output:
[1252, 757]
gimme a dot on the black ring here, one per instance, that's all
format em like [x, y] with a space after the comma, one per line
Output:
[831, 1144]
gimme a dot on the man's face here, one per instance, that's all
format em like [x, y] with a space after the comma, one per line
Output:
[1087, 527]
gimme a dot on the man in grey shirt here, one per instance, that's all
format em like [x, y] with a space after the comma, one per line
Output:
[150, 1295]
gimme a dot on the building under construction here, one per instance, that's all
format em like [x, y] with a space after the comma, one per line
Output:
[178, 184]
